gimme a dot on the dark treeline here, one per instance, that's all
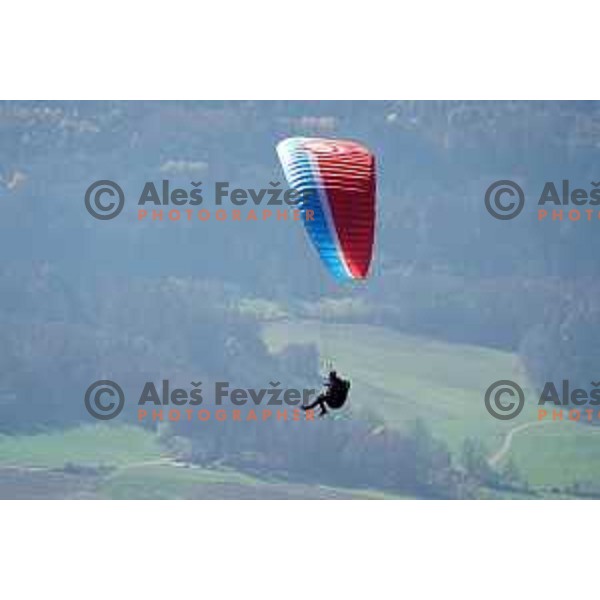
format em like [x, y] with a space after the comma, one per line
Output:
[130, 332]
[352, 452]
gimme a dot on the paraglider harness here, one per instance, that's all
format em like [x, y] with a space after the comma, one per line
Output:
[334, 397]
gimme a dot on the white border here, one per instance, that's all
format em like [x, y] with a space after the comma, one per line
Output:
[466, 49]
[298, 549]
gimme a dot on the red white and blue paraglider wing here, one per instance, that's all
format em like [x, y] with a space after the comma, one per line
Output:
[336, 179]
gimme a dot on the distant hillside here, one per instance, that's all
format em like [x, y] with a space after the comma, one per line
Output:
[400, 378]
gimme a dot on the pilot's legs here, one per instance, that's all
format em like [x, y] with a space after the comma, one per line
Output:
[320, 402]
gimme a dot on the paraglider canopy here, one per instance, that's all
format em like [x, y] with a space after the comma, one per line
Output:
[336, 180]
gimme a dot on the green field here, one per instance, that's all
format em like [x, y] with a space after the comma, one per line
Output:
[402, 377]
[558, 454]
[97, 445]
[32, 466]
[172, 481]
